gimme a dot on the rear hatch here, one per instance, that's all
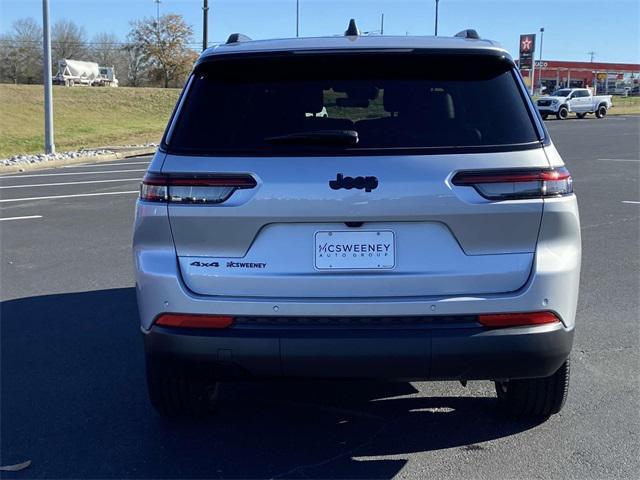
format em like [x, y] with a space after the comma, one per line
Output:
[329, 175]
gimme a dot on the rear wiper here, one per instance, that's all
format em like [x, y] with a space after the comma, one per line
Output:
[319, 137]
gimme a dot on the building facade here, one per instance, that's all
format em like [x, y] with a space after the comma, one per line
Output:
[606, 78]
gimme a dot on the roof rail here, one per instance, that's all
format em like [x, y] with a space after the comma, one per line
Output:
[352, 29]
[237, 38]
[468, 33]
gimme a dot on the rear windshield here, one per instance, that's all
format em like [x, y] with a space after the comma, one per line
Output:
[297, 104]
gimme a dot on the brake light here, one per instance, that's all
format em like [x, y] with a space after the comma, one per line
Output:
[517, 184]
[517, 319]
[193, 190]
[179, 320]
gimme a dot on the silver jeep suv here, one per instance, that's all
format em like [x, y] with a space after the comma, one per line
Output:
[357, 207]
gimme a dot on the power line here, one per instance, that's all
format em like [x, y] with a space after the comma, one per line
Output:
[79, 44]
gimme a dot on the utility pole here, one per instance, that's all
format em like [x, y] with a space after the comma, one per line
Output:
[49, 146]
[382, 24]
[297, 18]
[591, 55]
[205, 23]
[437, 2]
[540, 61]
[532, 72]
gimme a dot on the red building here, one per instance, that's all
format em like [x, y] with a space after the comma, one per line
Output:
[606, 77]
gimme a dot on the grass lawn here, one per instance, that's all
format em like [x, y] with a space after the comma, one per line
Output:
[625, 106]
[83, 116]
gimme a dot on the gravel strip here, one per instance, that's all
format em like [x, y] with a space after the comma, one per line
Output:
[37, 158]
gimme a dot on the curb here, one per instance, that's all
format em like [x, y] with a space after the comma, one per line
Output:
[23, 167]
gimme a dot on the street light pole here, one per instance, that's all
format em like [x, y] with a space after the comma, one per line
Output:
[157, 2]
[205, 24]
[49, 146]
[297, 18]
[540, 61]
[437, 2]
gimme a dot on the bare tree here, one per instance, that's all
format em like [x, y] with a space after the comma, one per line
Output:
[105, 49]
[108, 51]
[68, 40]
[21, 52]
[164, 45]
[136, 68]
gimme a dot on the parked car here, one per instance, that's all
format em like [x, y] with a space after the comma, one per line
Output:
[622, 91]
[424, 229]
[577, 100]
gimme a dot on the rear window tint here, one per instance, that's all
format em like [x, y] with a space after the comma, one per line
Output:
[393, 101]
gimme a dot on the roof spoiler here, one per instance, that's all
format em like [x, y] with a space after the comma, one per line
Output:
[237, 38]
[468, 33]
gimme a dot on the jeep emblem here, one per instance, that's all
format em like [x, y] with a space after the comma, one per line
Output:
[368, 183]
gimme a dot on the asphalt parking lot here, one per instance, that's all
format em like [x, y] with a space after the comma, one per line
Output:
[72, 375]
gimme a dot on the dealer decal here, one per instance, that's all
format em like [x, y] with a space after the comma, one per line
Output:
[229, 264]
[355, 249]
[245, 265]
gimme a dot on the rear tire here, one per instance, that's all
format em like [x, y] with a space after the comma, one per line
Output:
[563, 113]
[176, 391]
[601, 112]
[535, 397]
[581, 115]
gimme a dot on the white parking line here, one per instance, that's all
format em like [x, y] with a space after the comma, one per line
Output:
[7, 200]
[73, 173]
[20, 218]
[618, 160]
[631, 201]
[93, 165]
[71, 183]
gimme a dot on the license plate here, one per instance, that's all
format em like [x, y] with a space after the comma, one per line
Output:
[345, 250]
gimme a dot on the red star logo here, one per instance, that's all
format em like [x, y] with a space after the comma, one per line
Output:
[526, 44]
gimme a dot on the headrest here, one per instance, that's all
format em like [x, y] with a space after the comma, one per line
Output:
[296, 100]
[441, 105]
[393, 99]
[307, 99]
[414, 98]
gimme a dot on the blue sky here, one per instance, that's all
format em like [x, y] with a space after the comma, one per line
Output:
[611, 28]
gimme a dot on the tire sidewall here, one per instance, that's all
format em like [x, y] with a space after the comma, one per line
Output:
[601, 112]
[563, 113]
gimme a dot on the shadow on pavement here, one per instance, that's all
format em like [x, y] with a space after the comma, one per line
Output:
[74, 402]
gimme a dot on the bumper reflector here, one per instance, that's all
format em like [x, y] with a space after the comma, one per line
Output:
[517, 319]
[194, 321]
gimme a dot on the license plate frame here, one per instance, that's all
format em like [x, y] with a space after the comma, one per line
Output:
[346, 250]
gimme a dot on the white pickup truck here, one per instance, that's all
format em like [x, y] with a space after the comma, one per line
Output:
[577, 100]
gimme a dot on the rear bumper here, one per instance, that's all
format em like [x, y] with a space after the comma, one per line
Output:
[462, 352]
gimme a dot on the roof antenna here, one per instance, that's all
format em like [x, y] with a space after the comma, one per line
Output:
[352, 29]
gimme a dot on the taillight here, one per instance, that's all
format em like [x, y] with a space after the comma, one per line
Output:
[179, 320]
[195, 190]
[517, 319]
[517, 184]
